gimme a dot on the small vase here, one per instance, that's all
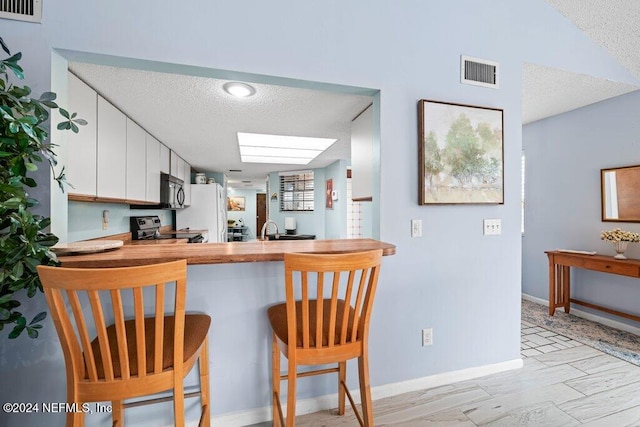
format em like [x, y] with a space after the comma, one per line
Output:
[620, 247]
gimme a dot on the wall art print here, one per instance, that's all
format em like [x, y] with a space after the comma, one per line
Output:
[236, 203]
[460, 154]
[327, 194]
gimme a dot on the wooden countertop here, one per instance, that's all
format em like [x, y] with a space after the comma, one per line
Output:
[156, 242]
[219, 253]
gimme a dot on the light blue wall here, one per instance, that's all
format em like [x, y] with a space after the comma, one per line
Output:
[564, 155]
[335, 225]
[249, 214]
[306, 222]
[324, 223]
[85, 219]
[463, 285]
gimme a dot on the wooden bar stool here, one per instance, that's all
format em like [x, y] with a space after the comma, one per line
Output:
[134, 357]
[324, 320]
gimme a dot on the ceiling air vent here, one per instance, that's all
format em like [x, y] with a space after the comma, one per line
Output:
[478, 72]
[21, 10]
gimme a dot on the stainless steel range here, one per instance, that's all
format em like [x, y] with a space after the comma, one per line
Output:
[148, 228]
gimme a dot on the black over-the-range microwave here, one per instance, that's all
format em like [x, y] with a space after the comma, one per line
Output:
[171, 194]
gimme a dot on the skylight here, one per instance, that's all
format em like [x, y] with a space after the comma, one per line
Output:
[294, 150]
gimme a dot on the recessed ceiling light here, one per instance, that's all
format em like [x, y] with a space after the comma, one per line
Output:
[241, 90]
[297, 150]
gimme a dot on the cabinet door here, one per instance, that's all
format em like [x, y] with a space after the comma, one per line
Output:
[165, 159]
[136, 162]
[112, 151]
[82, 146]
[176, 166]
[153, 168]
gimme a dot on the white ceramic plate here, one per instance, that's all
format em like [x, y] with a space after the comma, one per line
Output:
[86, 247]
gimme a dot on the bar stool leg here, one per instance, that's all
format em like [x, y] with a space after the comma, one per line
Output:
[342, 378]
[365, 390]
[117, 413]
[275, 374]
[203, 365]
[291, 391]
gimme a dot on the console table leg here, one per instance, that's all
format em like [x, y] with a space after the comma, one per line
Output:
[552, 286]
[566, 288]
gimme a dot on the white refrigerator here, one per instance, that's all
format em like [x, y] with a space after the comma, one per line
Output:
[208, 211]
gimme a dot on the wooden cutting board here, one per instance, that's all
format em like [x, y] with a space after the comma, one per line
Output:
[86, 247]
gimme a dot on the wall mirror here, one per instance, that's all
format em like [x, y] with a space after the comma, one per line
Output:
[620, 189]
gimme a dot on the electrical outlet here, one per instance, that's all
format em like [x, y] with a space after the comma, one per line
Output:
[427, 337]
[492, 227]
[105, 219]
[416, 228]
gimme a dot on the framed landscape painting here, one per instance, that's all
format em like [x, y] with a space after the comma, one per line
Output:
[460, 153]
[235, 203]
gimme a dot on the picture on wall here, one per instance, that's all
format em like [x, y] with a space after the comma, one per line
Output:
[235, 203]
[460, 154]
[327, 194]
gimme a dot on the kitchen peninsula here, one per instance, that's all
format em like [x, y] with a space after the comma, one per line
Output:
[219, 253]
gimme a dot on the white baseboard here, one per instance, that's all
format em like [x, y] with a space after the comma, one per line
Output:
[589, 316]
[307, 406]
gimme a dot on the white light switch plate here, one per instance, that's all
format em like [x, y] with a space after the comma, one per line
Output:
[492, 227]
[416, 228]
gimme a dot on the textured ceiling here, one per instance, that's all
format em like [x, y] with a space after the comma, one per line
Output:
[549, 91]
[194, 116]
[612, 24]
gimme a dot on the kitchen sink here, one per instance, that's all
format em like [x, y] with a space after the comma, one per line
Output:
[291, 236]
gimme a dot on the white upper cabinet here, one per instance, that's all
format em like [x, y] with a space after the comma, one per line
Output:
[136, 162]
[153, 168]
[362, 155]
[112, 151]
[82, 146]
[176, 166]
[165, 159]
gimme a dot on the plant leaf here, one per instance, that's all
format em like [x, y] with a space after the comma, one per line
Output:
[4, 46]
[15, 333]
[47, 96]
[39, 317]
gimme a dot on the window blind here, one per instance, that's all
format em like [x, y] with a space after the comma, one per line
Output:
[296, 192]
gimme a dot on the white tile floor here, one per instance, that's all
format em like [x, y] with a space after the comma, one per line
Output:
[536, 341]
[563, 383]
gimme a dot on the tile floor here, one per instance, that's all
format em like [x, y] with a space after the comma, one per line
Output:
[563, 383]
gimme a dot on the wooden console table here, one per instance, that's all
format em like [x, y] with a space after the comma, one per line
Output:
[560, 278]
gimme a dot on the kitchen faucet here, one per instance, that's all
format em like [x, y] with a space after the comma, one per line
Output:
[266, 224]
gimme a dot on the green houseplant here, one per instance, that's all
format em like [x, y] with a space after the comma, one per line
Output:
[24, 240]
